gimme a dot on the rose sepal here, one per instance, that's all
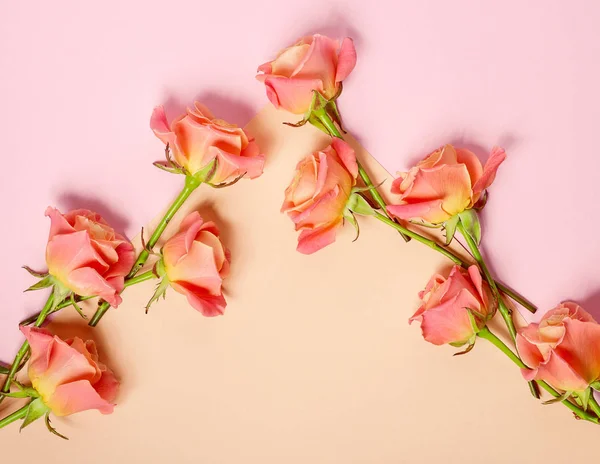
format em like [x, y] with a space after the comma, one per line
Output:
[320, 107]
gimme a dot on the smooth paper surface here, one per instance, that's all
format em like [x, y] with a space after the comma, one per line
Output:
[313, 361]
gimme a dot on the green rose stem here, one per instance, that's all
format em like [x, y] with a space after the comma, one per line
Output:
[40, 318]
[324, 118]
[191, 184]
[504, 311]
[454, 258]
[332, 129]
[488, 335]
[18, 414]
[25, 346]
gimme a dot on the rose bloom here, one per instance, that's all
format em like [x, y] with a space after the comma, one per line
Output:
[444, 313]
[68, 375]
[86, 255]
[197, 138]
[317, 197]
[196, 262]
[313, 63]
[563, 349]
[447, 182]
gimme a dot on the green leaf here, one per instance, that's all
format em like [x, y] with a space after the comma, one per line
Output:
[170, 170]
[422, 223]
[297, 124]
[367, 189]
[315, 121]
[46, 282]
[159, 268]
[595, 385]
[559, 399]
[334, 112]
[473, 319]
[24, 392]
[52, 429]
[468, 349]
[77, 307]
[60, 294]
[470, 222]
[450, 226]
[207, 172]
[161, 290]
[36, 409]
[349, 216]
[359, 205]
[227, 184]
[39, 275]
[584, 397]
[4, 370]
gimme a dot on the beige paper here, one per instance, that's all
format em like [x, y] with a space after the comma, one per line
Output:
[313, 362]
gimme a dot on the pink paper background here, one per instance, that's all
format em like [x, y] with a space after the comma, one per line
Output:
[78, 81]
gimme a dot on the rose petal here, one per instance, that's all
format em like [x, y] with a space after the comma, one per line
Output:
[347, 155]
[429, 211]
[201, 300]
[86, 281]
[313, 240]
[75, 397]
[346, 60]
[496, 158]
[293, 94]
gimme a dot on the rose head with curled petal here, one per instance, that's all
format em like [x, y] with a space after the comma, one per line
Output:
[86, 255]
[453, 309]
[195, 264]
[316, 199]
[563, 349]
[314, 63]
[67, 374]
[447, 182]
[197, 138]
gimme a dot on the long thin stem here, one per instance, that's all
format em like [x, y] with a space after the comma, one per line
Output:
[18, 414]
[334, 132]
[406, 233]
[191, 184]
[488, 335]
[504, 311]
[419, 238]
[25, 346]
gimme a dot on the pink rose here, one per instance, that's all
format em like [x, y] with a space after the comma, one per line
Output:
[444, 184]
[563, 349]
[197, 138]
[454, 309]
[314, 63]
[196, 262]
[86, 255]
[67, 374]
[317, 197]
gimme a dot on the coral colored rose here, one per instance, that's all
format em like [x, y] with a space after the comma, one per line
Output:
[86, 255]
[196, 262]
[317, 197]
[563, 348]
[68, 375]
[444, 312]
[313, 63]
[197, 138]
[447, 182]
